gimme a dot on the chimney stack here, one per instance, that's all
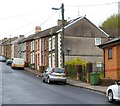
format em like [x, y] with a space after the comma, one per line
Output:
[21, 36]
[59, 22]
[4, 39]
[37, 29]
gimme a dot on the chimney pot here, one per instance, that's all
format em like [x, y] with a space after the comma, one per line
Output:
[59, 22]
[37, 29]
[21, 36]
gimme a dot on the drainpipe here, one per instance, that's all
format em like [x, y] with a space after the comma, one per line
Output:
[104, 62]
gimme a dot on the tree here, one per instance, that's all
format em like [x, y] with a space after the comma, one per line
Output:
[112, 22]
[77, 61]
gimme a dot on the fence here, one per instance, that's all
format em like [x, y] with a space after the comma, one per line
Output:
[77, 72]
[82, 72]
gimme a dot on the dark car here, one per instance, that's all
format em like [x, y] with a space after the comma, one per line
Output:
[9, 62]
[2, 59]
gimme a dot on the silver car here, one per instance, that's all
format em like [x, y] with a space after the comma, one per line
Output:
[54, 75]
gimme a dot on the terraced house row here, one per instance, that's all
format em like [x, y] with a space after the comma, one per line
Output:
[43, 48]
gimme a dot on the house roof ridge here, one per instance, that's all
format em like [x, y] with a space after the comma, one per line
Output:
[113, 40]
[17, 40]
[109, 42]
[80, 18]
[39, 34]
[72, 22]
[47, 29]
[99, 28]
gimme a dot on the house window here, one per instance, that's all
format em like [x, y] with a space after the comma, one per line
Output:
[45, 47]
[59, 50]
[110, 53]
[42, 59]
[38, 44]
[45, 61]
[33, 45]
[49, 60]
[53, 42]
[33, 58]
[49, 44]
[42, 45]
[97, 41]
[38, 59]
[53, 60]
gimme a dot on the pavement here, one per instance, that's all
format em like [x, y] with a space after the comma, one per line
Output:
[76, 83]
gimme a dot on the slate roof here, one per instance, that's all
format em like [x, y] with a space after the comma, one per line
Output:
[57, 29]
[17, 40]
[8, 41]
[73, 22]
[112, 32]
[47, 32]
[43, 33]
[28, 38]
[110, 43]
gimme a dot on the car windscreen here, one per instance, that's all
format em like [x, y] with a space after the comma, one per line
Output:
[59, 70]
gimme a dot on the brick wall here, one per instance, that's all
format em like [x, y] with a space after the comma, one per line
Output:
[28, 52]
[118, 60]
[112, 66]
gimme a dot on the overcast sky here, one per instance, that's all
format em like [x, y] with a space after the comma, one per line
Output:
[19, 17]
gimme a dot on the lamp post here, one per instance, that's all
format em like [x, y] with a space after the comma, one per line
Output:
[62, 11]
[68, 50]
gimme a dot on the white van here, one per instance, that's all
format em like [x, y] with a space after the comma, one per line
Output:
[18, 63]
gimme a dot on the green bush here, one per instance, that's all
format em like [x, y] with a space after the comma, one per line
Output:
[101, 74]
[31, 66]
[77, 61]
[72, 71]
[72, 68]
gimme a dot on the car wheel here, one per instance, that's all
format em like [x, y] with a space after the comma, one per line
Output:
[64, 83]
[110, 96]
[48, 80]
[43, 80]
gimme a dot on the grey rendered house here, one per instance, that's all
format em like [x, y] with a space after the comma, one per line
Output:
[81, 38]
[6, 47]
[22, 49]
[26, 46]
[14, 47]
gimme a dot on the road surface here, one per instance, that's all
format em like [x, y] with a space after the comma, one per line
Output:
[22, 87]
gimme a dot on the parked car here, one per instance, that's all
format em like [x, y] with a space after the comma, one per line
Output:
[2, 59]
[18, 63]
[54, 75]
[113, 92]
[9, 62]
